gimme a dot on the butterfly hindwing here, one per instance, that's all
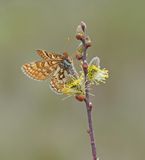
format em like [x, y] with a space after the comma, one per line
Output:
[59, 79]
[56, 86]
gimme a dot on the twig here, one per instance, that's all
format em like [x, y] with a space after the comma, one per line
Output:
[85, 44]
[89, 107]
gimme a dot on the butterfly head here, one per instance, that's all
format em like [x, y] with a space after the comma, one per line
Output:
[67, 64]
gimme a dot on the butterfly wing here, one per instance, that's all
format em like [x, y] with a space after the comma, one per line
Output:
[59, 86]
[56, 86]
[42, 70]
[43, 54]
[39, 70]
[59, 79]
[49, 55]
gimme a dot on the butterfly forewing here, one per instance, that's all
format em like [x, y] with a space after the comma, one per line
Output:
[49, 56]
[42, 70]
[43, 54]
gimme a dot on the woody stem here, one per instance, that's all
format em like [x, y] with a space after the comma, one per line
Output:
[88, 103]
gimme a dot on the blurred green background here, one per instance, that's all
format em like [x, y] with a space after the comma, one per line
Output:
[35, 123]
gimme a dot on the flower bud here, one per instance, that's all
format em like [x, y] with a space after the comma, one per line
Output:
[80, 97]
[88, 42]
[85, 65]
[90, 105]
[83, 25]
[79, 29]
[88, 131]
[80, 35]
[78, 56]
[79, 52]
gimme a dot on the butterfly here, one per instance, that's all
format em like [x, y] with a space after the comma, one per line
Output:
[55, 67]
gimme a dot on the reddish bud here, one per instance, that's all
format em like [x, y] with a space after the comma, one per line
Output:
[80, 36]
[88, 42]
[78, 56]
[80, 97]
[85, 65]
[90, 105]
[88, 45]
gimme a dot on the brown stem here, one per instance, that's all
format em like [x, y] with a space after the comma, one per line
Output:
[88, 103]
[91, 131]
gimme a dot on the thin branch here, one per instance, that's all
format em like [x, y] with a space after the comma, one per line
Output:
[84, 39]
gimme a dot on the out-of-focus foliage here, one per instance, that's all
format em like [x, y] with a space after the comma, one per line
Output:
[35, 124]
